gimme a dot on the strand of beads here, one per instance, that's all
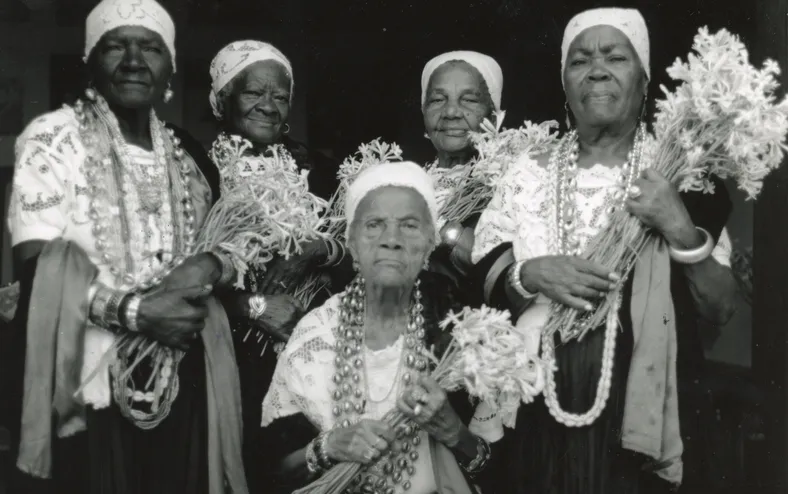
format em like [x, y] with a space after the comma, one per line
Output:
[605, 376]
[98, 125]
[350, 394]
[562, 170]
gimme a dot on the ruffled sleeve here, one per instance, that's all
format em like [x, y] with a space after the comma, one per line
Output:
[497, 224]
[301, 380]
[46, 154]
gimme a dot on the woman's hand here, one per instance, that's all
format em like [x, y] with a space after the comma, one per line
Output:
[363, 442]
[657, 204]
[572, 281]
[198, 270]
[427, 405]
[281, 273]
[174, 317]
[282, 313]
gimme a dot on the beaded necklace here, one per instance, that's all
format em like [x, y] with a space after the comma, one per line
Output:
[351, 395]
[109, 172]
[562, 170]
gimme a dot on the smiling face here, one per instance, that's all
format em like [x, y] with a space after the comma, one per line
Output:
[391, 236]
[131, 67]
[259, 105]
[604, 79]
[457, 101]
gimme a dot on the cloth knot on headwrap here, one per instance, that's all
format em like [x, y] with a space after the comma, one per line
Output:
[396, 174]
[234, 58]
[112, 14]
[628, 21]
[486, 65]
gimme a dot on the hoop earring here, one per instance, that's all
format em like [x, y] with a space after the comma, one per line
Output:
[286, 129]
[168, 94]
[567, 113]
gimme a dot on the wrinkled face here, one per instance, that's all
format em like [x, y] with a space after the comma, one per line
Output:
[604, 79]
[259, 104]
[391, 236]
[457, 102]
[131, 67]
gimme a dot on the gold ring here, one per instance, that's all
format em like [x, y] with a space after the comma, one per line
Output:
[417, 410]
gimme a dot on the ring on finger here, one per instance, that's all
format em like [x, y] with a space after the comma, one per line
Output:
[417, 410]
[635, 192]
[418, 395]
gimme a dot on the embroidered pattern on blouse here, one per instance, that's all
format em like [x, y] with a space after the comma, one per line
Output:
[48, 137]
[40, 204]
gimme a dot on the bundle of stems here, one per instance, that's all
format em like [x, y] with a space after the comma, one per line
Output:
[723, 120]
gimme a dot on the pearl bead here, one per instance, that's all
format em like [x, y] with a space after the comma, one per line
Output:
[414, 455]
[406, 485]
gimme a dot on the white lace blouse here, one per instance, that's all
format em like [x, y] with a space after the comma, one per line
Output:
[302, 383]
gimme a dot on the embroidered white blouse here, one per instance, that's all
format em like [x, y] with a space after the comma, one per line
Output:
[50, 199]
[302, 383]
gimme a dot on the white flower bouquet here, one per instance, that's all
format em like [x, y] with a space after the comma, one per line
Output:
[497, 148]
[487, 357]
[265, 208]
[722, 120]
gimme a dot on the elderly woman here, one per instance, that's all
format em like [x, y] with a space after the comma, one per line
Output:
[575, 440]
[357, 357]
[106, 205]
[459, 89]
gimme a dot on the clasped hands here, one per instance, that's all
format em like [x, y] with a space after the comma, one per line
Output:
[425, 403]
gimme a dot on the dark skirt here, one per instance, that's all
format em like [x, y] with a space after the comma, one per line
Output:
[115, 457]
[545, 457]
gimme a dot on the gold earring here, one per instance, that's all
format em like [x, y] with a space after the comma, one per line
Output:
[568, 112]
[168, 94]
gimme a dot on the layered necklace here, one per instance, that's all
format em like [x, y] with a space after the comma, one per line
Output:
[562, 172]
[164, 194]
[351, 392]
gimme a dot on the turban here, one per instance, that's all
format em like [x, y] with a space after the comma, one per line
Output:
[111, 14]
[487, 66]
[397, 174]
[234, 58]
[628, 21]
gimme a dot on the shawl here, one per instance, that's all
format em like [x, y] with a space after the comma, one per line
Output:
[56, 326]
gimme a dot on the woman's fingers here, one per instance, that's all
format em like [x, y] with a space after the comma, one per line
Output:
[576, 302]
[592, 268]
[595, 282]
[381, 430]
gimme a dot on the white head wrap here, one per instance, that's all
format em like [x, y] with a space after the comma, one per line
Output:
[487, 66]
[234, 58]
[628, 21]
[396, 174]
[112, 14]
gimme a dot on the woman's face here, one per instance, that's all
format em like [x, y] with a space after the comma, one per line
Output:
[131, 67]
[391, 236]
[259, 104]
[603, 78]
[456, 103]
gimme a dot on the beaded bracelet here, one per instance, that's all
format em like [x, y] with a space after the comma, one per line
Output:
[312, 461]
[257, 306]
[476, 465]
[228, 268]
[322, 441]
[517, 283]
[696, 255]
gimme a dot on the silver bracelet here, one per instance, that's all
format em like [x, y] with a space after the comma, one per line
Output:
[322, 454]
[257, 307]
[483, 452]
[696, 255]
[132, 311]
[517, 282]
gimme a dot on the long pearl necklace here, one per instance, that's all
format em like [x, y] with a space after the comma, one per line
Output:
[351, 395]
[562, 169]
[108, 169]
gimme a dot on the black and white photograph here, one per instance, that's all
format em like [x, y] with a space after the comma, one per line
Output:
[393, 247]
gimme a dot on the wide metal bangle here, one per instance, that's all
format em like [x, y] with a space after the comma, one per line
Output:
[483, 453]
[312, 460]
[696, 255]
[104, 309]
[517, 283]
[131, 313]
